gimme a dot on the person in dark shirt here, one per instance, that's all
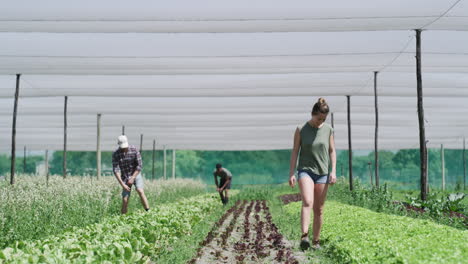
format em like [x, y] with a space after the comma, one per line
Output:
[127, 166]
[224, 183]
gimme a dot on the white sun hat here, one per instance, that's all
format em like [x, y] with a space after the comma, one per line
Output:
[122, 141]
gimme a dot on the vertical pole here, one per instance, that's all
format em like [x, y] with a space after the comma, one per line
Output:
[173, 163]
[65, 137]
[141, 148]
[13, 132]
[24, 160]
[141, 144]
[98, 147]
[422, 132]
[376, 137]
[464, 163]
[46, 163]
[154, 152]
[164, 161]
[350, 148]
[427, 162]
[332, 121]
[442, 157]
[123, 130]
[370, 173]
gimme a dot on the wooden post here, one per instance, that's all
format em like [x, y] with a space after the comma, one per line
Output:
[13, 132]
[141, 144]
[98, 147]
[173, 163]
[350, 148]
[332, 121]
[154, 152]
[464, 163]
[376, 137]
[427, 162]
[442, 157]
[370, 173]
[123, 130]
[422, 132]
[46, 164]
[24, 160]
[65, 137]
[164, 148]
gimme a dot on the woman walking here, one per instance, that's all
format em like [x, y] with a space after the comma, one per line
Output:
[315, 146]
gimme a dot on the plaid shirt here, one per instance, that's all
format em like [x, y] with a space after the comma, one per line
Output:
[126, 163]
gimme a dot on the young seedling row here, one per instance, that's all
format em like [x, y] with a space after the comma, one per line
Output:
[246, 234]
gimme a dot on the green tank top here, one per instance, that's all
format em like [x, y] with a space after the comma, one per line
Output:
[314, 152]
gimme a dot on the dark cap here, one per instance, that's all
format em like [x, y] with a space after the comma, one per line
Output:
[219, 165]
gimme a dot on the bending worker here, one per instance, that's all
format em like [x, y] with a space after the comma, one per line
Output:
[127, 165]
[224, 183]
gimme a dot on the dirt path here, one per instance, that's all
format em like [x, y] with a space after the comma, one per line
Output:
[246, 234]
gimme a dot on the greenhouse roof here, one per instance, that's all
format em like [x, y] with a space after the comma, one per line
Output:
[238, 75]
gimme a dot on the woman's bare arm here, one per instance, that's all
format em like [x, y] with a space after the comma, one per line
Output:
[294, 154]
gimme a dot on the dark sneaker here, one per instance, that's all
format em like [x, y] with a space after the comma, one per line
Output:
[305, 243]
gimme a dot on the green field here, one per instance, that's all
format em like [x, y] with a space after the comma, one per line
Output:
[77, 220]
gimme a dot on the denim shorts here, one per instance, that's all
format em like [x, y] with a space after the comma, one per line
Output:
[138, 183]
[318, 179]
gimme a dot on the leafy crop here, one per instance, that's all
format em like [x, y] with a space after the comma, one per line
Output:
[357, 235]
[131, 238]
[32, 210]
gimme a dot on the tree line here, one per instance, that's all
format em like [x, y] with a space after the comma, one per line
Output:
[256, 167]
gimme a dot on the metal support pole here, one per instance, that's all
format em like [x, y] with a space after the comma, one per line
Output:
[13, 131]
[173, 163]
[464, 163]
[332, 121]
[98, 147]
[376, 137]
[427, 162]
[154, 154]
[123, 130]
[442, 157]
[422, 133]
[141, 144]
[164, 161]
[65, 137]
[46, 164]
[24, 160]
[350, 148]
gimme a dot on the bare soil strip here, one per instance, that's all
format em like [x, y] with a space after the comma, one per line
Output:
[247, 234]
[290, 198]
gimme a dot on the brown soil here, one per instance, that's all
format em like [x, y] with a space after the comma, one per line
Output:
[246, 234]
[290, 198]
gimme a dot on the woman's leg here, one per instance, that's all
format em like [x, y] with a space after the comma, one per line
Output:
[320, 194]
[306, 185]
